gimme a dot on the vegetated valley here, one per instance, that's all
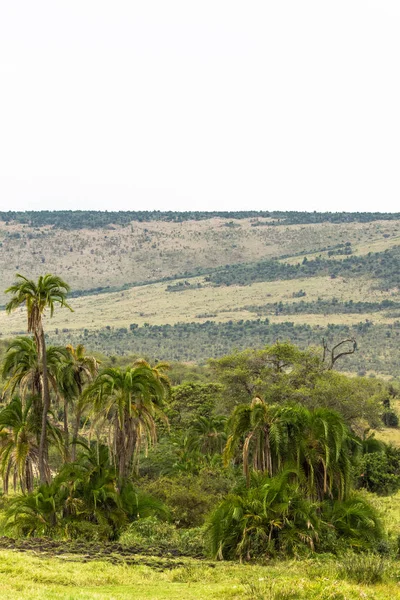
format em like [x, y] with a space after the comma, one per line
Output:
[200, 405]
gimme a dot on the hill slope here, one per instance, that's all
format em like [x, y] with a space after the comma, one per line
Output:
[306, 269]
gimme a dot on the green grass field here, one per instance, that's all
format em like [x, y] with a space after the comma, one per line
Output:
[28, 577]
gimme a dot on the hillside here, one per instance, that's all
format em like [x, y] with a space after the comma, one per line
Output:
[297, 273]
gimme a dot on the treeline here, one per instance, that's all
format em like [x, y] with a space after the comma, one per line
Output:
[380, 265]
[377, 344]
[65, 219]
[327, 307]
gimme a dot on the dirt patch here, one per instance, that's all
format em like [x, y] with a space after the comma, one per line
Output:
[81, 551]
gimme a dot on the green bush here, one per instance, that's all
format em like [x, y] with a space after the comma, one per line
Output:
[153, 534]
[380, 471]
[362, 568]
[84, 530]
[390, 418]
[190, 498]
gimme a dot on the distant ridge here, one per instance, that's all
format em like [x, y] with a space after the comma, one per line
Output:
[77, 219]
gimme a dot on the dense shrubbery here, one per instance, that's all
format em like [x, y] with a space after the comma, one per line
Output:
[380, 470]
[265, 447]
[274, 515]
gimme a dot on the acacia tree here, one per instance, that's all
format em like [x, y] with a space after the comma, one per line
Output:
[37, 297]
[129, 401]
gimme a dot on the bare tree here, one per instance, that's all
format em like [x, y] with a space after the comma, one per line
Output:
[343, 348]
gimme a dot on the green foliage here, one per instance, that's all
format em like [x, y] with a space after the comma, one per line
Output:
[273, 437]
[127, 402]
[190, 498]
[83, 492]
[326, 307]
[282, 373]
[355, 520]
[150, 533]
[381, 265]
[364, 569]
[189, 401]
[273, 515]
[380, 471]
[377, 343]
[390, 418]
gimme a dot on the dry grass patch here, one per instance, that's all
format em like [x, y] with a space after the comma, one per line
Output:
[154, 305]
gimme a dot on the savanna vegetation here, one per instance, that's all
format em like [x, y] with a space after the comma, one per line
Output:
[67, 219]
[259, 455]
[376, 353]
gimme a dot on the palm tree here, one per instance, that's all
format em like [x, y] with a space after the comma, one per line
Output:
[18, 445]
[269, 515]
[129, 401]
[23, 369]
[317, 441]
[79, 370]
[325, 450]
[45, 294]
[257, 429]
[207, 434]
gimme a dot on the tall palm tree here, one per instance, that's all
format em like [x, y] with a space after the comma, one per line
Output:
[22, 368]
[325, 448]
[129, 401]
[79, 371]
[37, 297]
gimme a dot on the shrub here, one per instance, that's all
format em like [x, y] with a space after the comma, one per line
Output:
[151, 534]
[362, 568]
[270, 516]
[188, 498]
[380, 471]
[390, 418]
[356, 521]
[84, 530]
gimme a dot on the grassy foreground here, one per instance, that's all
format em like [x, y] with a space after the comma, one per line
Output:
[25, 576]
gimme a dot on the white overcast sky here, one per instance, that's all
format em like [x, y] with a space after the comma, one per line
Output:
[200, 105]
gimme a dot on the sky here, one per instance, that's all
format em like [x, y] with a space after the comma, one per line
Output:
[200, 105]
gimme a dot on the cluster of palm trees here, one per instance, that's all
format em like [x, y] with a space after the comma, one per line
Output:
[317, 442]
[297, 462]
[298, 484]
[43, 383]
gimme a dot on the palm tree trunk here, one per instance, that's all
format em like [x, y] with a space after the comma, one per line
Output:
[29, 476]
[37, 404]
[43, 450]
[75, 433]
[121, 452]
[66, 430]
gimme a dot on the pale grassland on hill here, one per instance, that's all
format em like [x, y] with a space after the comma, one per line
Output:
[358, 249]
[27, 577]
[154, 305]
[114, 256]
